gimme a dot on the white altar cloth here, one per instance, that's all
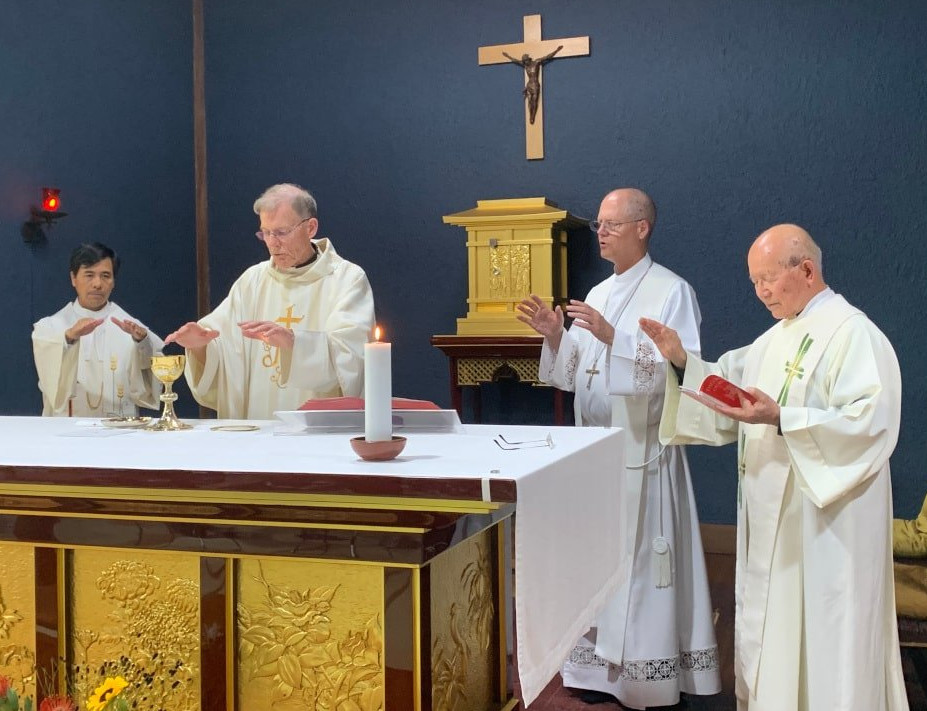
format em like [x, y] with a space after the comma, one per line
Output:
[567, 515]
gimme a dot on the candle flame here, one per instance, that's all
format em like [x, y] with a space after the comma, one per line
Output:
[377, 332]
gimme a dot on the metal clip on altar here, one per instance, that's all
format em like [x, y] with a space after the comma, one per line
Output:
[523, 444]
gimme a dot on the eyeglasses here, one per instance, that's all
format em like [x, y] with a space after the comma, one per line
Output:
[523, 444]
[610, 225]
[765, 281]
[265, 235]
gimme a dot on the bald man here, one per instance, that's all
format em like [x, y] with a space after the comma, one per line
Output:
[815, 601]
[655, 638]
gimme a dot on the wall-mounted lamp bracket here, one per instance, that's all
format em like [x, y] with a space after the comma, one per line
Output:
[33, 229]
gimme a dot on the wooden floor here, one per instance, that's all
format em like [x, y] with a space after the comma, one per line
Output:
[719, 557]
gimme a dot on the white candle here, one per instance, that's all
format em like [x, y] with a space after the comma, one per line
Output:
[378, 391]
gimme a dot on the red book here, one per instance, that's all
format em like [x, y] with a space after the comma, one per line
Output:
[356, 403]
[715, 390]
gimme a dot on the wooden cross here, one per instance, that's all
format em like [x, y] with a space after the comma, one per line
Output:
[534, 48]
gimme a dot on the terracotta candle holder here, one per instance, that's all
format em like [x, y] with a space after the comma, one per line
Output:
[378, 451]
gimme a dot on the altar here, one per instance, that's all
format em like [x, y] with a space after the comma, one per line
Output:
[218, 569]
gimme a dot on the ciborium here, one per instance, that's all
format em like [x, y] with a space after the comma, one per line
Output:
[167, 369]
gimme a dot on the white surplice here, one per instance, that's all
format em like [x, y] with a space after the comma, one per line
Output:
[815, 604]
[329, 306]
[651, 642]
[85, 378]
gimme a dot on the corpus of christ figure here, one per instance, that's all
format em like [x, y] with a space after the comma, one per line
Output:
[532, 67]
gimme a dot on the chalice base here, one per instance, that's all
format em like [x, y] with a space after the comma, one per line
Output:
[168, 421]
[168, 424]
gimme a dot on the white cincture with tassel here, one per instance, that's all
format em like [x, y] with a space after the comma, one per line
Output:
[662, 567]
[662, 553]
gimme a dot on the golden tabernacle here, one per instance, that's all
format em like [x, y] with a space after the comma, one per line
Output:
[226, 567]
[515, 247]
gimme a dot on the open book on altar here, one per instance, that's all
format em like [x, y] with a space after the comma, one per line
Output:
[715, 390]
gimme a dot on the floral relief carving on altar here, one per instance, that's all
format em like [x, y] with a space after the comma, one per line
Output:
[470, 637]
[16, 660]
[287, 641]
[152, 641]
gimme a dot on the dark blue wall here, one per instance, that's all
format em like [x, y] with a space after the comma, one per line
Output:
[733, 114]
[96, 99]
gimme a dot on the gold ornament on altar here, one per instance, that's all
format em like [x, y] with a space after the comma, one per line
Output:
[167, 369]
[515, 247]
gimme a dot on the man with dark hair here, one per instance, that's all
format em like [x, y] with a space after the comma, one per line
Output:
[93, 359]
[292, 328]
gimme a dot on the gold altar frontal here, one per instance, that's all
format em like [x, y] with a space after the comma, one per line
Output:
[238, 590]
[515, 247]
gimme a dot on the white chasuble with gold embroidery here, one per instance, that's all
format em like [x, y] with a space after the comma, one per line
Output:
[814, 594]
[655, 638]
[104, 373]
[328, 304]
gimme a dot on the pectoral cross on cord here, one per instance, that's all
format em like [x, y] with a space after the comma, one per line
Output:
[593, 371]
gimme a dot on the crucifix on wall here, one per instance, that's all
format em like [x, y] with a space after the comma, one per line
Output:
[532, 54]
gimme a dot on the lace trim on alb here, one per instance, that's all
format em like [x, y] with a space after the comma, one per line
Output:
[665, 669]
[644, 368]
[570, 365]
[586, 657]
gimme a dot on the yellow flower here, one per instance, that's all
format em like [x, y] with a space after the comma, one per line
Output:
[105, 693]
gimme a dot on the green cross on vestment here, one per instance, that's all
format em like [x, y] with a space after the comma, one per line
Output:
[741, 465]
[794, 369]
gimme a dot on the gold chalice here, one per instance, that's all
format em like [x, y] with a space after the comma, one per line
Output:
[167, 369]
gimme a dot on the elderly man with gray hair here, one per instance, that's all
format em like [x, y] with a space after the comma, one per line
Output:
[814, 624]
[291, 329]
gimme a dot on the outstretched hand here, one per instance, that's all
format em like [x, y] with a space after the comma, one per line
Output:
[666, 340]
[137, 332]
[584, 316]
[272, 333]
[537, 314]
[191, 335]
[81, 328]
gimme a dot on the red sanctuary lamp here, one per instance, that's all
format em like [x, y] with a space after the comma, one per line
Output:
[33, 230]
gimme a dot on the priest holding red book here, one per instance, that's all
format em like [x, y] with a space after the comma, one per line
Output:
[815, 624]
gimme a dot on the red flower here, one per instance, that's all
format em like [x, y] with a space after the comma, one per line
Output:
[57, 703]
[4, 686]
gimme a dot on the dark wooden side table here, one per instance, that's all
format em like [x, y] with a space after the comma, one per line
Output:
[473, 360]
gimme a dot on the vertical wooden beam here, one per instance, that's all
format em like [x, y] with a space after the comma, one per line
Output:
[49, 623]
[215, 636]
[199, 163]
[399, 639]
[423, 631]
[201, 196]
